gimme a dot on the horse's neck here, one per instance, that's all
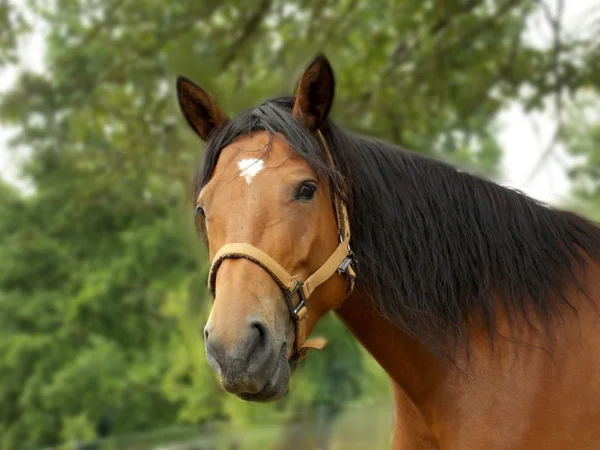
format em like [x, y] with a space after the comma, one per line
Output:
[417, 376]
[409, 364]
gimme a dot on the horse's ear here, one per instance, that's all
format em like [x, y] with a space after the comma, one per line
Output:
[199, 108]
[314, 95]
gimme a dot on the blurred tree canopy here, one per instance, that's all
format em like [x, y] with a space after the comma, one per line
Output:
[581, 136]
[102, 282]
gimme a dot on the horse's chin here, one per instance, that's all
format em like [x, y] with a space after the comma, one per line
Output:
[276, 386]
[266, 395]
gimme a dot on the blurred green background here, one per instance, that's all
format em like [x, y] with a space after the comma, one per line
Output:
[102, 279]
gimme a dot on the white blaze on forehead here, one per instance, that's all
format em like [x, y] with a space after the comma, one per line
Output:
[250, 168]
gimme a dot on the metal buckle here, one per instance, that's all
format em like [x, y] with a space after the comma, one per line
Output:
[294, 310]
[346, 262]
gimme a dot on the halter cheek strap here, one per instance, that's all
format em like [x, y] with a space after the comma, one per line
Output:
[341, 262]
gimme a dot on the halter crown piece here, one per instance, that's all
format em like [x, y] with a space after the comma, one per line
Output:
[341, 262]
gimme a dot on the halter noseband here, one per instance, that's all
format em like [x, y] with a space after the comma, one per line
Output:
[340, 261]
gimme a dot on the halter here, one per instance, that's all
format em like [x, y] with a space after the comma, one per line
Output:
[340, 262]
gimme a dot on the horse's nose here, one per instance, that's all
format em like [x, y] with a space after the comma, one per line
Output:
[239, 354]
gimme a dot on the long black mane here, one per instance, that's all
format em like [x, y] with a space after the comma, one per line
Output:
[437, 247]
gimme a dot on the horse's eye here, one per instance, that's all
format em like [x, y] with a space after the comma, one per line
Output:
[306, 191]
[199, 211]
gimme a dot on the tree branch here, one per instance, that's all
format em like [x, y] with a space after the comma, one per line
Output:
[556, 24]
[403, 47]
[249, 29]
[504, 70]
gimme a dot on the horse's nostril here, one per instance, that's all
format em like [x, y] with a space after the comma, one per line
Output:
[261, 327]
[259, 341]
[205, 332]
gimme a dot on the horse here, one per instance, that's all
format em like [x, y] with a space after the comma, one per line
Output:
[479, 302]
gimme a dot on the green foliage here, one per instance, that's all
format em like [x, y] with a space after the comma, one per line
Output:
[580, 137]
[189, 380]
[12, 25]
[102, 280]
[77, 428]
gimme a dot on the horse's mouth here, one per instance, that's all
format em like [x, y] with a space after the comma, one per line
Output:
[277, 384]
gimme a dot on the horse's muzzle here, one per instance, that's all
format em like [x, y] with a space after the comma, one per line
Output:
[250, 366]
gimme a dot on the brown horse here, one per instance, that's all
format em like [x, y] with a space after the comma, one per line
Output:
[480, 303]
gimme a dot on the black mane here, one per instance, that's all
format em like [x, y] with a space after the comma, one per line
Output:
[435, 246]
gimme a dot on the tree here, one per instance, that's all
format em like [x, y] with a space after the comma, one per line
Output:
[580, 137]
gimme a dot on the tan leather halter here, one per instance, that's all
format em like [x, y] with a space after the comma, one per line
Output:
[340, 261]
